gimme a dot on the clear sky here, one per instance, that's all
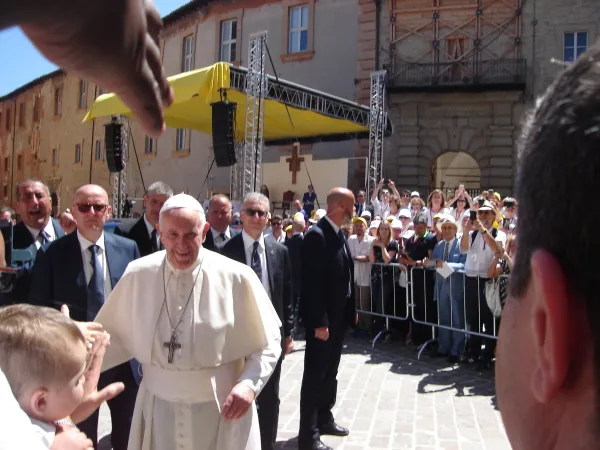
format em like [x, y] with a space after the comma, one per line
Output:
[23, 63]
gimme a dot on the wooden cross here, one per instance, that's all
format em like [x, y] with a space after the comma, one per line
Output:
[294, 162]
[172, 345]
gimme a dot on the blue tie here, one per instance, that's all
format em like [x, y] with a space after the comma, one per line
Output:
[95, 286]
[255, 261]
[446, 251]
[42, 238]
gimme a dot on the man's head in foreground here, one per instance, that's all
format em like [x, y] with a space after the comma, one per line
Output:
[43, 355]
[548, 359]
[182, 227]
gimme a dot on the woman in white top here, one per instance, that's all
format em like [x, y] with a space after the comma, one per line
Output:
[435, 205]
[459, 209]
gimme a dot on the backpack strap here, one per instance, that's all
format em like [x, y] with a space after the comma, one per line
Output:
[475, 232]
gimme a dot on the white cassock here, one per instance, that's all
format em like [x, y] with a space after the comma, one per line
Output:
[229, 334]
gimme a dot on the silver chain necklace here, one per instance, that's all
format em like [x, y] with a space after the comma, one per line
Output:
[172, 344]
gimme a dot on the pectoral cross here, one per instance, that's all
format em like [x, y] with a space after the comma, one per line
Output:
[172, 345]
[294, 162]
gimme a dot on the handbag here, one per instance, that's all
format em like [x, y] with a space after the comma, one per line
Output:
[492, 297]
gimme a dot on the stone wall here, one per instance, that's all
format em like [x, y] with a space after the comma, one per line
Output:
[484, 125]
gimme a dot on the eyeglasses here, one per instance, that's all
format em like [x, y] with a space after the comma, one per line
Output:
[252, 212]
[86, 207]
[276, 224]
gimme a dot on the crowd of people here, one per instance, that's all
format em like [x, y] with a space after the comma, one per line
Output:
[547, 373]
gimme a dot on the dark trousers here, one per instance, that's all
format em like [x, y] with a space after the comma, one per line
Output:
[479, 315]
[425, 309]
[319, 384]
[267, 404]
[121, 408]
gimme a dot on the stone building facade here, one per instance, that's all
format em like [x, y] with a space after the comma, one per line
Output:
[42, 136]
[461, 74]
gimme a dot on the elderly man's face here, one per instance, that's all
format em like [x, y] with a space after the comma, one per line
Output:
[182, 232]
[448, 231]
[153, 203]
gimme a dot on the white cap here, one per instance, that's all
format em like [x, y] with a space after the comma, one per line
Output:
[396, 224]
[366, 214]
[182, 201]
[319, 214]
[298, 217]
[375, 224]
[405, 213]
[414, 194]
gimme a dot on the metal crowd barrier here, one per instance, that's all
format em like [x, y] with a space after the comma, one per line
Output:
[411, 294]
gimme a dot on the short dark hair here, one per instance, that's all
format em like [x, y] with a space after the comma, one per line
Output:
[30, 181]
[559, 163]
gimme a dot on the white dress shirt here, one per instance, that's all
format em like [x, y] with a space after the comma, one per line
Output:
[249, 248]
[48, 231]
[87, 261]
[217, 236]
[362, 270]
[479, 255]
[16, 430]
[150, 229]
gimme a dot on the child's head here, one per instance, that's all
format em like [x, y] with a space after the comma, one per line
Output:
[43, 355]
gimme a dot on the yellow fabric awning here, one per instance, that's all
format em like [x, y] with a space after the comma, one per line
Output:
[196, 90]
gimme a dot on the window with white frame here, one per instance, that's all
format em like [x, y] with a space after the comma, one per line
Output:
[98, 154]
[180, 139]
[575, 44]
[187, 59]
[298, 29]
[149, 146]
[228, 40]
[78, 153]
[82, 94]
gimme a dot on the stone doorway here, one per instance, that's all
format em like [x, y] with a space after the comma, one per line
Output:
[452, 169]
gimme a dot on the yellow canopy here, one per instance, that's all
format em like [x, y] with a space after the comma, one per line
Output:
[196, 90]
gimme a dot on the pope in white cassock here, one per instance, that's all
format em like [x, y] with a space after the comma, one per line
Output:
[205, 332]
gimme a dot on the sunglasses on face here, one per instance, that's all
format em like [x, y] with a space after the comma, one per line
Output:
[86, 207]
[276, 224]
[252, 212]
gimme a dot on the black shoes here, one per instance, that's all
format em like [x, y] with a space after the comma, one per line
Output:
[317, 445]
[333, 429]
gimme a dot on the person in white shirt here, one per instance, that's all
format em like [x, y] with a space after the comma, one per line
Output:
[277, 229]
[360, 248]
[45, 378]
[478, 242]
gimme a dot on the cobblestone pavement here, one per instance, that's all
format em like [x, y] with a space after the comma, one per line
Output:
[391, 400]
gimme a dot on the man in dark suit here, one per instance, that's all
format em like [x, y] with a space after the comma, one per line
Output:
[80, 270]
[294, 246]
[36, 228]
[271, 262]
[326, 310]
[143, 230]
[219, 218]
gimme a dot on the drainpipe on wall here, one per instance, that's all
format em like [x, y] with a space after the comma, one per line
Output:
[14, 138]
[377, 30]
[93, 131]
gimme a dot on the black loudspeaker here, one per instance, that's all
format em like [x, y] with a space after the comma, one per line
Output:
[114, 146]
[223, 130]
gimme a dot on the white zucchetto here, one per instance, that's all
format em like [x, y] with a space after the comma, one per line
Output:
[182, 201]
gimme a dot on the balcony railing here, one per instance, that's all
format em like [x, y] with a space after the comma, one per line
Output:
[502, 73]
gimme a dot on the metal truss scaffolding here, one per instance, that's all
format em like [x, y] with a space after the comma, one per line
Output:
[301, 97]
[249, 163]
[377, 127]
[119, 179]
